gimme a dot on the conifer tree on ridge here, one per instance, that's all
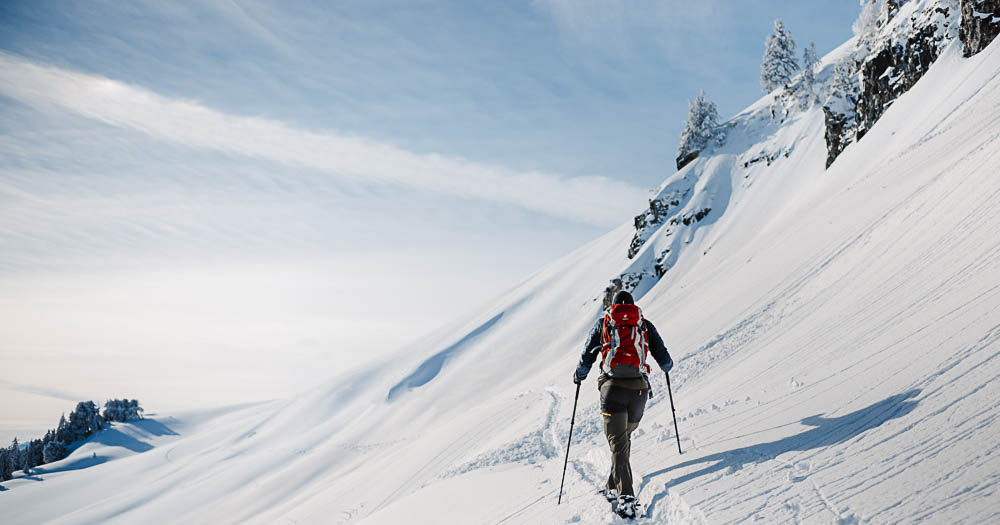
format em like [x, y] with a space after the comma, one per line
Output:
[701, 128]
[779, 64]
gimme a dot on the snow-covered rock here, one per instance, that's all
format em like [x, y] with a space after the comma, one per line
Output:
[980, 25]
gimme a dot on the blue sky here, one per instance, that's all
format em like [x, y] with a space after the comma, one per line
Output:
[578, 87]
[229, 178]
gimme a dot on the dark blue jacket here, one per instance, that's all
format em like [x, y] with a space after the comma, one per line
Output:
[593, 349]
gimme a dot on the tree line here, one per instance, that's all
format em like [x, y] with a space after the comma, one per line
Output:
[82, 423]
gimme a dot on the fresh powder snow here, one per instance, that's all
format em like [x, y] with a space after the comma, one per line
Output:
[836, 334]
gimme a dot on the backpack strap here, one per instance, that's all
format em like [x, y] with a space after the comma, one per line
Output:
[642, 347]
[613, 343]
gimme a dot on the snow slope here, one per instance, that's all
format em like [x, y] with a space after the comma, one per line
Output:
[836, 335]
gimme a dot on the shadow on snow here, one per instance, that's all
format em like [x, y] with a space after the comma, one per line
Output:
[110, 437]
[430, 368]
[826, 432]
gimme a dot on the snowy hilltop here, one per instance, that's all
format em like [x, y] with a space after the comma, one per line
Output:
[823, 268]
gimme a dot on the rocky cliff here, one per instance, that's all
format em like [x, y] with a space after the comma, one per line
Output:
[887, 63]
[904, 46]
[860, 82]
[899, 60]
[980, 25]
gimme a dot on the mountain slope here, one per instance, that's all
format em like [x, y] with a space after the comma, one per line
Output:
[836, 334]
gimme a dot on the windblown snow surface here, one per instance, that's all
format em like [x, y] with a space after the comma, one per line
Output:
[836, 334]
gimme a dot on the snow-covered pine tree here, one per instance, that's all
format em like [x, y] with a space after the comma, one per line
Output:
[62, 430]
[844, 90]
[111, 410]
[14, 456]
[54, 451]
[5, 473]
[122, 410]
[701, 128]
[807, 83]
[77, 423]
[94, 421]
[779, 64]
[840, 108]
[36, 452]
[866, 24]
[26, 458]
[84, 421]
[133, 410]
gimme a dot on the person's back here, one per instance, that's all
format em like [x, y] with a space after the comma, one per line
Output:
[623, 339]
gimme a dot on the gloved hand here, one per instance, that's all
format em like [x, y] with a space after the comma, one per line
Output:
[577, 379]
[669, 365]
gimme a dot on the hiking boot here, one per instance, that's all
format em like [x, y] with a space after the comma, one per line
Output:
[627, 507]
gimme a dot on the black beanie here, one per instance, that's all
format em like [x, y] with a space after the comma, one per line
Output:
[623, 297]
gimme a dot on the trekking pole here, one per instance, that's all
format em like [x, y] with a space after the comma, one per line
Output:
[568, 441]
[674, 411]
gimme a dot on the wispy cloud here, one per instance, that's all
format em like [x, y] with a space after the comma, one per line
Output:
[40, 391]
[594, 200]
[627, 28]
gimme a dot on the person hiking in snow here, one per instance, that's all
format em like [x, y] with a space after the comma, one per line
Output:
[623, 339]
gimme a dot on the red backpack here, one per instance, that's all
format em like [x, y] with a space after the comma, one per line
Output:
[624, 349]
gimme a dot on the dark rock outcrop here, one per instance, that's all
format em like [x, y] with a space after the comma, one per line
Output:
[610, 292]
[696, 216]
[980, 25]
[648, 220]
[686, 159]
[627, 281]
[645, 221]
[892, 7]
[838, 134]
[896, 63]
[893, 71]
[766, 156]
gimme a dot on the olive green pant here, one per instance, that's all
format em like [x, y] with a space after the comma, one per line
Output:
[619, 432]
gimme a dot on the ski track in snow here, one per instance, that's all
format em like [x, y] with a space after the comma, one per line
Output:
[434, 464]
[539, 445]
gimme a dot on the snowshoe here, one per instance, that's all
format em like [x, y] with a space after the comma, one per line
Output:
[628, 507]
[610, 494]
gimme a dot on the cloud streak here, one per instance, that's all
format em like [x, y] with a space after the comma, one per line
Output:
[593, 200]
[40, 391]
